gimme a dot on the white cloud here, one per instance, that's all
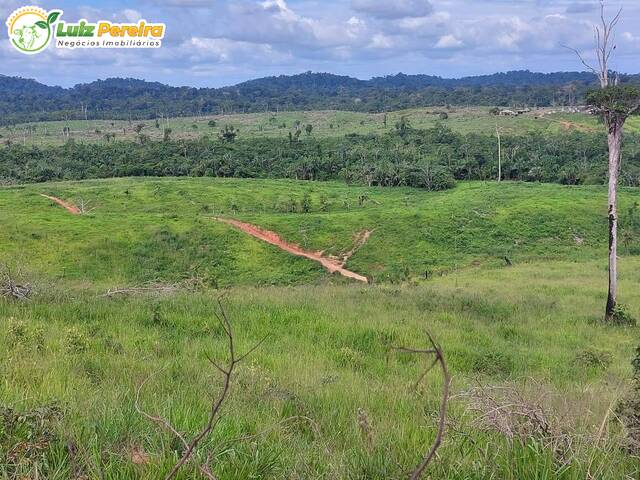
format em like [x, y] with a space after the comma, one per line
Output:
[449, 42]
[381, 41]
[131, 15]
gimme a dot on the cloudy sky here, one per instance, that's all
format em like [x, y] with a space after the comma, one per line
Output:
[222, 42]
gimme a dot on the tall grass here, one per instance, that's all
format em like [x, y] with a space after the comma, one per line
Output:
[328, 356]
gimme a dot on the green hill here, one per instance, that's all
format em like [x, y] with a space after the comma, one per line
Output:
[326, 395]
[148, 229]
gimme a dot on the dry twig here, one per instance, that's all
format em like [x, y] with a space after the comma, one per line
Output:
[227, 372]
[436, 351]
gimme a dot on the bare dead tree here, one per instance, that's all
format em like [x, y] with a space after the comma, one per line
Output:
[499, 154]
[438, 358]
[603, 36]
[615, 104]
[217, 403]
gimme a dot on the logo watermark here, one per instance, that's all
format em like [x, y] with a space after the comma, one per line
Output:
[31, 30]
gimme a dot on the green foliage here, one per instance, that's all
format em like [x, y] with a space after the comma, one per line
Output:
[431, 158]
[628, 409]
[117, 98]
[593, 358]
[28, 441]
[228, 133]
[619, 99]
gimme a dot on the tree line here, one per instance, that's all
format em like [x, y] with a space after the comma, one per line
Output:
[433, 158]
[23, 100]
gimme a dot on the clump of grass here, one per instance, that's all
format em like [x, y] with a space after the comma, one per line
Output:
[27, 439]
[76, 341]
[20, 334]
[629, 409]
[622, 317]
[350, 358]
[493, 363]
[593, 358]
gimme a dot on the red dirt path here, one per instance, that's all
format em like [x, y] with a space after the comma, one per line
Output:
[331, 264]
[69, 207]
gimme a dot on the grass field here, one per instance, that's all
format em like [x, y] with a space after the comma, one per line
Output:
[325, 124]
[326, 396]
[164, 229]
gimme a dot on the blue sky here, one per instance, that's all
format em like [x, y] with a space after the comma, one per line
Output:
[219, 42]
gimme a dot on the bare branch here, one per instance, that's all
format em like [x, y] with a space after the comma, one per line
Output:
[155, 418]
[217, 402]
[584, 62]
[10, 287]
[439, 358]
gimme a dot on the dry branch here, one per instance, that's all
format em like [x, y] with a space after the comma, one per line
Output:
[217, 403]
[436, 351]
[152, 288]
[11, 288]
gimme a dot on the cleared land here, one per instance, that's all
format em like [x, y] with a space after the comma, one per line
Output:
[326, 396]
[163, 229]
[325, 124]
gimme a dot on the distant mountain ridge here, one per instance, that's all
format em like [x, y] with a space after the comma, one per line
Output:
[28, 100]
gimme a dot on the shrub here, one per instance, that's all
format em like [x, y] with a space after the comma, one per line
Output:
[26, 439]
[17, 333]
[492, 363]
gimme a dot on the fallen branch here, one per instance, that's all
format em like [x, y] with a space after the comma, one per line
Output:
[10, 288]
[436, 351]
[171, 288]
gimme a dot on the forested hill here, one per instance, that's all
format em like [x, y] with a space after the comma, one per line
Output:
[27, 100]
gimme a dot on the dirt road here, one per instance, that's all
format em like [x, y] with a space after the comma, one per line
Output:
[70, 207]
[331, 264]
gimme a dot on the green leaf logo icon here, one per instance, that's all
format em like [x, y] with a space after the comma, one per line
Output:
[53, 16]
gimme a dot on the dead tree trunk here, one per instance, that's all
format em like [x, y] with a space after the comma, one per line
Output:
[615, 144]
[499, 154]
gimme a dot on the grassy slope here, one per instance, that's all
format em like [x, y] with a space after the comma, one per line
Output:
[162, 229]
[325, 124]
[328, 353]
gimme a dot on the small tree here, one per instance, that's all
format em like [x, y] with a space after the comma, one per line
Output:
[228, 133]
[403, 126]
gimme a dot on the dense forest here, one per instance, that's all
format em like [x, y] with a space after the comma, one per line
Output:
[433, 158]
[24, 100]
